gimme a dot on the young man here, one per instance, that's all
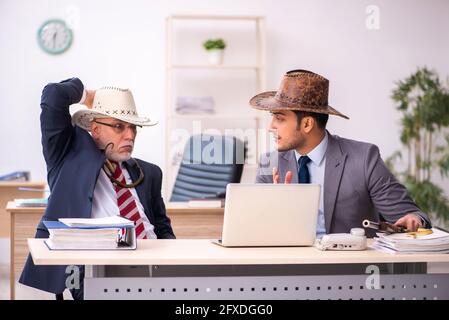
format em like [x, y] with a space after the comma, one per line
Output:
[93, 175]
[355, 183]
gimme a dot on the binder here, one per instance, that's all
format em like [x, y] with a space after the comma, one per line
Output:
[91, 237]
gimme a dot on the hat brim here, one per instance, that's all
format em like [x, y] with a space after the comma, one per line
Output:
[83, 118]
[267, 102]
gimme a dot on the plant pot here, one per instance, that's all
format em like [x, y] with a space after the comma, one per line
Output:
[215, 56]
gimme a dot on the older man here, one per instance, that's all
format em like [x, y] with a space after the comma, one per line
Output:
[356, 184]
[93, 175]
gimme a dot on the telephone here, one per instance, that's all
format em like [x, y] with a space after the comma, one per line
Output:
[356, 240]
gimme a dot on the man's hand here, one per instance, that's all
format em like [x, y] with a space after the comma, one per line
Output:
[410, 221]
[288, 176]
[90, 94]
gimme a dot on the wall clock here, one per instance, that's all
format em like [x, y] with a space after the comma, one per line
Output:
[54, 36]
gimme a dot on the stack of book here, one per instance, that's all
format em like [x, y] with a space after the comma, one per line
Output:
[424, 242]
[195, 105]
[91, 234]
[31, 203]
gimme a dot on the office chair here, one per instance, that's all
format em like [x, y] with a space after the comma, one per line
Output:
[209, 163]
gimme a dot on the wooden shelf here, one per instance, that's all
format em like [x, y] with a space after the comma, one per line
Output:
[214, 67]
[233, 112]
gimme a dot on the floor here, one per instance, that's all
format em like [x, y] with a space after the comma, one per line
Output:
[23, 292]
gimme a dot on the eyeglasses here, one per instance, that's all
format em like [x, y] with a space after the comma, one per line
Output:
[119, 127]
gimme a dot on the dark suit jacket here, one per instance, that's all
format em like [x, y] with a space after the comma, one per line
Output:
[357, 185]
[73, 165]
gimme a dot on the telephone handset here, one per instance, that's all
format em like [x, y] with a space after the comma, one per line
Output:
[354, 241]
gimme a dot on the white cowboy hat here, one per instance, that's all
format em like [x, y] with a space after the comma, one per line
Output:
[111, 102]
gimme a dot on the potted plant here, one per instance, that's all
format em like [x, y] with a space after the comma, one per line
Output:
[215, 49]
[424, 103]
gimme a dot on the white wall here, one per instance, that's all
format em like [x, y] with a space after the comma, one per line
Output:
[124, 43]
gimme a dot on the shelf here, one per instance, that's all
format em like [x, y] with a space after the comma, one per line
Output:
[212, 116]
[210, 66]
[235, 115]
[213, 17]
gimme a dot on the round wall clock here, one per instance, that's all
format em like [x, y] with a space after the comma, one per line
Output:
[54, 36]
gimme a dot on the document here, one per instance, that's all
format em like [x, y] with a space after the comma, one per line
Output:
[97, 222]
[413, 242]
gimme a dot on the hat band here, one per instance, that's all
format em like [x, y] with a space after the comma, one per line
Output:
[281, 97]
[117, 112]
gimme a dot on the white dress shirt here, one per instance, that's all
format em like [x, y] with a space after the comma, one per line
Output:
[316, 171]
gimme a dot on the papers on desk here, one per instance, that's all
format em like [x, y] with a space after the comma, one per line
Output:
[31, 203]
[97, 222]
[91, 234]
[436, 242]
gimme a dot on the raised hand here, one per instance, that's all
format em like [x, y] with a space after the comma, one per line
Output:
[288, 176]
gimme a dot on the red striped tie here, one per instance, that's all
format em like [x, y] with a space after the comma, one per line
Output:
[126, 203]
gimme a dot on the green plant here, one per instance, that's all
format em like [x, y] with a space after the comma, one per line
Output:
[214, 44]
[424, 104]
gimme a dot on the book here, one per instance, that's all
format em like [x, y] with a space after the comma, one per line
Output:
[30, 203]
[111, 233]
[206, 203]
[436, 241]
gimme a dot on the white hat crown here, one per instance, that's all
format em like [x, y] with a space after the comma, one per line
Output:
[114, 101]
[111, 102]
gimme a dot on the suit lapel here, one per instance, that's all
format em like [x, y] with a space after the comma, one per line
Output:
[141, 189]
[133, 171]
[287, 162]
[335, 163]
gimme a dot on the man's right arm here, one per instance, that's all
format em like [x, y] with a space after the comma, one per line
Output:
[56, 122]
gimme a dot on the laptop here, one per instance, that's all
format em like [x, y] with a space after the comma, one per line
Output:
[259, 215]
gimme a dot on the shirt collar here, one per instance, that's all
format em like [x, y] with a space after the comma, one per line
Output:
[317, 154]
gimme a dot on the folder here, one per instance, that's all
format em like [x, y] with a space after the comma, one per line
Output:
[91, 236]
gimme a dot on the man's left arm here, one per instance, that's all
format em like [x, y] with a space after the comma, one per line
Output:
[162, 223]
[390, 197]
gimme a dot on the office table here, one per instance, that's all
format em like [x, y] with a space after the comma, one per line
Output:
[199, 269]
[9, 190]
[187, 223]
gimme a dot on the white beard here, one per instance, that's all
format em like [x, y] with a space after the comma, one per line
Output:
[119, 157]
[116, 156]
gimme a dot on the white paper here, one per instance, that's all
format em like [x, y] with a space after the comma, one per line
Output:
[101, 222]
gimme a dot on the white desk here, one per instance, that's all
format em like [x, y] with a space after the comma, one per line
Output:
[198, 269]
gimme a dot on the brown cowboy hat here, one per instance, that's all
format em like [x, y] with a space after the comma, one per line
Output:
[300, 90]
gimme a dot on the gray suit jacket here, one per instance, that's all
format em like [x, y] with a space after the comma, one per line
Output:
[357, 185]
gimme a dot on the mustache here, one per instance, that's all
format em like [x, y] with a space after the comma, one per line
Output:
[110, 146]
[127, 144]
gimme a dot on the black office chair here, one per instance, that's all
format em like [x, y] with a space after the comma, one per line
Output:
[209, 163]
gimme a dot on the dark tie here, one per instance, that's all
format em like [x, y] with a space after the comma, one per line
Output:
[303, 172]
